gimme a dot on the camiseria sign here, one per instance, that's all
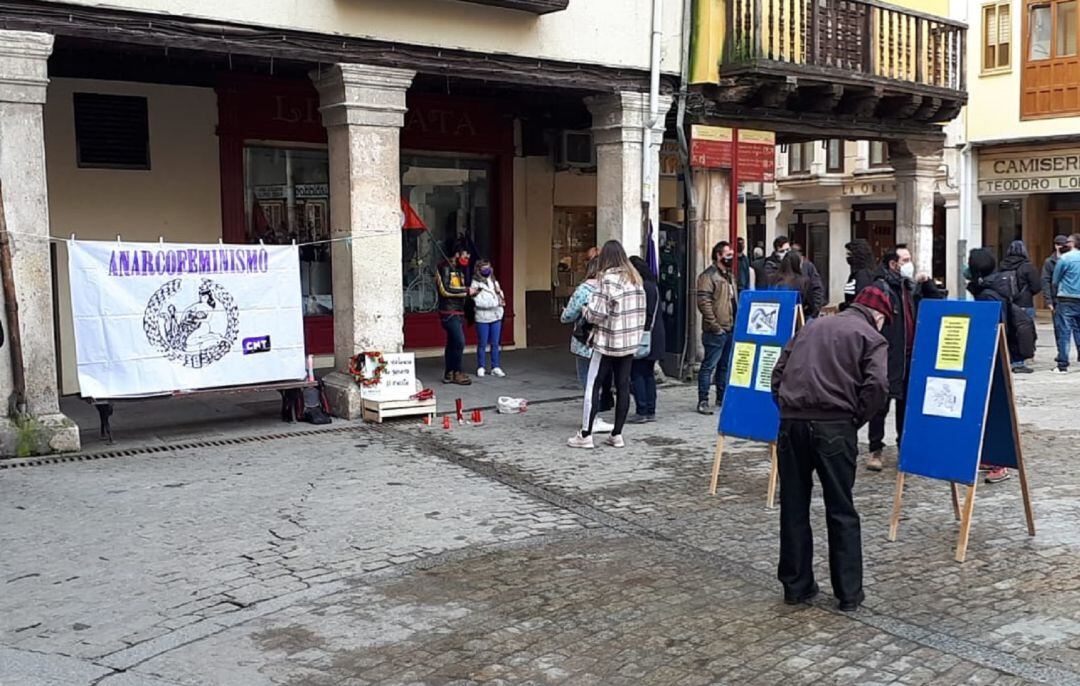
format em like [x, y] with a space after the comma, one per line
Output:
[1029, 171]
[152, 318]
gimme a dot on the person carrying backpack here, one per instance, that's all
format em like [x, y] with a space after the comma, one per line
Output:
[989, 285]
[1028, 285]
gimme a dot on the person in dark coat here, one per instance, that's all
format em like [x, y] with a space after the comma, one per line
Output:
[830, 379]
[791, 277]
[817, 287]
[861, 260]
[986, 284]
[643, 371]
[766, 267]
[897, 278]
[743, 275]
[1027, 278]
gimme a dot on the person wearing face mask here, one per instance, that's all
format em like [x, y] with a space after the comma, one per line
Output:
[906, 289]
[454, 290]
[765, 269]
[860, 259]
[716, 301]
[831, 378]
[490, 306]
[1017, 267]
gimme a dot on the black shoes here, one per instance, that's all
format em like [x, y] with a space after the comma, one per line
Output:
[799, 600]
[848, 605]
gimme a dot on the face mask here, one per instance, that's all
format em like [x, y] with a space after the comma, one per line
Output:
[782, 253]
[1063, 249]
[907, 270]
[727, 259]
[463, 261]
[486, 271]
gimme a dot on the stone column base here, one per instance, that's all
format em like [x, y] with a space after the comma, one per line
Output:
[344, 395]
[45, 435]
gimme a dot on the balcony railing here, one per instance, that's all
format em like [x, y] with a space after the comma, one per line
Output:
[853, 37]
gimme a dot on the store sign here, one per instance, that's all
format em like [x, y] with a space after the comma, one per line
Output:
[152, 318]
[872, 189]
[312, 190]
[1029, 171]
[712, 147]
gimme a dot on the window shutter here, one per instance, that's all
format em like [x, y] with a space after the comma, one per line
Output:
[112, 131]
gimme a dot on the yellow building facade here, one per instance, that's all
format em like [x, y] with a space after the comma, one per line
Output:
[1021, 159]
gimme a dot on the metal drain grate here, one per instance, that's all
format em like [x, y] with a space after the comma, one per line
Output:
[171, 447]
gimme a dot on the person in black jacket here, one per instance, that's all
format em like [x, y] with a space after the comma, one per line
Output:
[766, 267]
[906, 289]
[643, 371]
[988, 284]
[1027, 279]
[791, 277]
[861, 260]
[453, 286]
[817, 287]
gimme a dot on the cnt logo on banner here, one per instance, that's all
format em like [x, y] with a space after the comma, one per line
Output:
[158, 317]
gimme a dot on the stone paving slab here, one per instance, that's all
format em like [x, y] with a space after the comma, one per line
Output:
[622, 610]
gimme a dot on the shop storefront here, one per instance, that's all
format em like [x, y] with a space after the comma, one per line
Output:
[1030, 193]
[456, 173]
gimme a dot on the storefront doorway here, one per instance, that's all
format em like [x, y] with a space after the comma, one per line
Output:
[877, 225]
[457, 173]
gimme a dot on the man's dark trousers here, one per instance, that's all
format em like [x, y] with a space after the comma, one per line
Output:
[877, 424]
[830, 449]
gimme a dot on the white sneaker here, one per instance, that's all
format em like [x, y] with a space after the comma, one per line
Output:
[480, 373]
[1059, 370]
[579, 441]
[616, 441]
[497, 371]
[599, 426]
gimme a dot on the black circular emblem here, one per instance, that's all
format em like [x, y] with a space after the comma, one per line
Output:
[193, 325]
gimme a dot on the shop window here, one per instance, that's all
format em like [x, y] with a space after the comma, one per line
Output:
[111, 131]
[287, 198]
[834, 156]
[452, 195]
[800, 157]
[997, 37]
[1049, 86]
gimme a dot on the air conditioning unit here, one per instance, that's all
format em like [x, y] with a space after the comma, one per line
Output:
[576, 150]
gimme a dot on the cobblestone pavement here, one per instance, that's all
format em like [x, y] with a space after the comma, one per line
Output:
[492, 554]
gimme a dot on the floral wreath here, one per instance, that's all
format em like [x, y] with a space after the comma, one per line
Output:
[356, 368]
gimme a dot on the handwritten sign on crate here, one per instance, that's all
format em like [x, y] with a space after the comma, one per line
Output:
[398, 381]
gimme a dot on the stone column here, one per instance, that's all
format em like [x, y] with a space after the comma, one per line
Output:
[916, 167]
[953, 267]
[618, 125]
[778, 214]
[839, 236]
[363, 110]
[23, 81]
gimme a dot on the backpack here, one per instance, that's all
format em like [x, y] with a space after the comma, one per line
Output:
[1004, 283]
[306, 405]
[1020, 330]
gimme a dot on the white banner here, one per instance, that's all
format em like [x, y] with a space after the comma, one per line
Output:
[159, 317]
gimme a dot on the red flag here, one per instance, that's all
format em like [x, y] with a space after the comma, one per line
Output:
[412, 219]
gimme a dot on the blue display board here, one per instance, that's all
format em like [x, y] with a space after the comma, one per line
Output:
[765, 322]
[960, 409]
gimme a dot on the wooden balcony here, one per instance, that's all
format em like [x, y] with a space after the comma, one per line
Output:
[860, 64]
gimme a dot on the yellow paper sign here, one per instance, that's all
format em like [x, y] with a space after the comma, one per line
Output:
[742, 364]
[952, 343]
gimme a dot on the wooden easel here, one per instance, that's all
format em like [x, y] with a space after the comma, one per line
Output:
[770, 498]
[964, 516]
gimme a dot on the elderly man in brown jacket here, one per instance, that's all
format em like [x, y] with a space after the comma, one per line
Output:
[716, 302]
[831, 378]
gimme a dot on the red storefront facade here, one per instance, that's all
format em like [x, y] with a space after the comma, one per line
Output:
[454, 149]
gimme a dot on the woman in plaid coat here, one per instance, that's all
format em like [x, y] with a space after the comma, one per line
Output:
[617, 311]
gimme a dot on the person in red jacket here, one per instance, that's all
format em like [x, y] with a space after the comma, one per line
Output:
[831, 378]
